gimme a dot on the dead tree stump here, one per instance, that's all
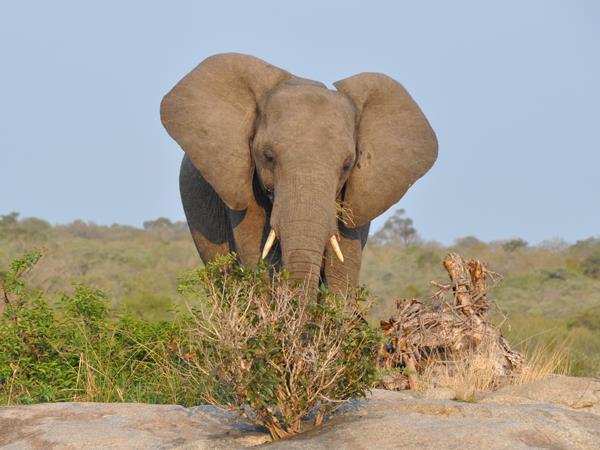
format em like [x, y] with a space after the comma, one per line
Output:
[446, 330]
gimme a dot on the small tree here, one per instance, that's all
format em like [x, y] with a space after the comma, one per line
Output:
[31, 227]
[159, 224]
[590, 266]
[397, 230]
[8, 223]
[273, 352]
[468, 242]
[9, 219]
[514, 244]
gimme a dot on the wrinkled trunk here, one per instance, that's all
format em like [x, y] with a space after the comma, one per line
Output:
[304, 218]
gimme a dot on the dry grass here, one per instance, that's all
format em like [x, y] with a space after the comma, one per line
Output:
[344, 214]
[543, 361]
[476, 371]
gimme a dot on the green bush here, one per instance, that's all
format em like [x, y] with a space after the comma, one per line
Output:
[589, 318]
[78, 350]
[590, 266]
[245, 342]
[514, 244]
[575, 337]
[270, 346]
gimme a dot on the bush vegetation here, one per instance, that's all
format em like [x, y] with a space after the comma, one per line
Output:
[268, 345]
[549, 292]
[75, 348]
[258, 345]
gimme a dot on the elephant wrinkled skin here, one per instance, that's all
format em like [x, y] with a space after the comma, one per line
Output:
[266, 150]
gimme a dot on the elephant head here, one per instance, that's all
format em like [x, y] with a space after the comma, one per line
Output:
[239, 118]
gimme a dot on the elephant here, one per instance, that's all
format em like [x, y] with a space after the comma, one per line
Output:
[280, 167]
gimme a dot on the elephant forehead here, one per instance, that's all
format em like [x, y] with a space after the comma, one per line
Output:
[307, 108]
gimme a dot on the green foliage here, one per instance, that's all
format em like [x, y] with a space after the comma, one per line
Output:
[589, 318]
[12, 282]
[427, 258]
[543, 292]
[88, 304]
[160, 223]
[27, 228]
[590, 266]
[581, 344]
[138, 270]
[514, 244]
[468, 242]
[247, 342]
[76, 349]
[10, 219]
[269, 346]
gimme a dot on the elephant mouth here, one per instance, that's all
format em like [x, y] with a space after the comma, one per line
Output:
[268, 192]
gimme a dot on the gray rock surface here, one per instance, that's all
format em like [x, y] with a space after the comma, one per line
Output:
[558, 413]
[582, 394]
[123, 426]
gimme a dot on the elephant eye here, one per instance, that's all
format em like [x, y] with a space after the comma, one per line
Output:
[347, 164]
[268, 156]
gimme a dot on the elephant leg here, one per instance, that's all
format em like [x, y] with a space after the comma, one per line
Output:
[342, 276]
[206, 213]
[250, 228]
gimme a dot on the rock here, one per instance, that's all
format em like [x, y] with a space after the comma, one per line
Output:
[439, 393]
[123, 426]
[556, 413]
[388, 422]
[577, 393]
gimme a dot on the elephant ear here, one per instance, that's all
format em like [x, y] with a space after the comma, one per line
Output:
[211, 113]
[395, 145]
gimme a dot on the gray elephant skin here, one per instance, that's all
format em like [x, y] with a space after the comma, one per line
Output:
[271, 155]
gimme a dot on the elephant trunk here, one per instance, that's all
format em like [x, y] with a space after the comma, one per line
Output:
[304, 218]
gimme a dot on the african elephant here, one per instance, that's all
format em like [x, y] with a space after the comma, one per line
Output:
[271, 157]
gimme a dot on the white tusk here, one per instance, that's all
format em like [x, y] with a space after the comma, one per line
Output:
[270, 241]
[336, 247]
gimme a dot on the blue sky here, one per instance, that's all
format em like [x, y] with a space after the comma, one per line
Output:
[511, 88]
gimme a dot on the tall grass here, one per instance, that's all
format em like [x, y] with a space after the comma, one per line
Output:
[476, 372]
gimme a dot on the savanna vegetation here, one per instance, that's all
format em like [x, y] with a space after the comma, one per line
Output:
[96, 286]
[248, 341]
[548, 299]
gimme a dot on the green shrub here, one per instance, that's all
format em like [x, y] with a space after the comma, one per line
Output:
[514, 244]
[468, 242]
[589, 318]
[576, 337]
[427, 257]
[246, 342]
[78, 349]
[272, 347]
[590, 266]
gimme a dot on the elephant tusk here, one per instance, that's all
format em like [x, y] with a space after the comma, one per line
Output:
[336, 247]
[270, 241]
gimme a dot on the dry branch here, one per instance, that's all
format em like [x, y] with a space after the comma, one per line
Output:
[442, 334]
